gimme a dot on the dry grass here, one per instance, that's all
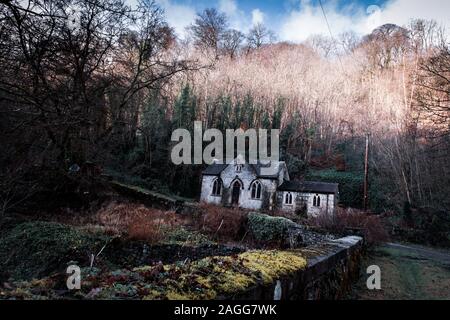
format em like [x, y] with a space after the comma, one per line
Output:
[137, 221]
[143, 228]
[222, 223]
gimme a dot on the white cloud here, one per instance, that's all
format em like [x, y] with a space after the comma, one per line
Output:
[257, 16]
[237, 18]
[179, 16]
[308, 19]
[402, 11]
[229, 7]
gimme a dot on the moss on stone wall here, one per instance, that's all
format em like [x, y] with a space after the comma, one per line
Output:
[213, 277]
[208, 278]
[273, 264]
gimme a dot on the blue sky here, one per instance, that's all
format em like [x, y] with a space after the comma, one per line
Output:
[273, 6]
[296, 20]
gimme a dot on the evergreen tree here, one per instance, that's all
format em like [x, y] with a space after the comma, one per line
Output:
[184, 110]
[265, 122]
[225, 107]
[237, 115]
[278, 113]
[154, 130]
[248, 110]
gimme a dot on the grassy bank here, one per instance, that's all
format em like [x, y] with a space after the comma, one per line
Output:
[407, 273]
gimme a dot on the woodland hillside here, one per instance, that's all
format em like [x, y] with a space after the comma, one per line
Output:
[105, 94]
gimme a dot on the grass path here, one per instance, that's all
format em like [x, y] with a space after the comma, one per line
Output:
[408, 272]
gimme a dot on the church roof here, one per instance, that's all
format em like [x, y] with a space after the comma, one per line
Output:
[257, 167]
[309, 186]
[215, 169]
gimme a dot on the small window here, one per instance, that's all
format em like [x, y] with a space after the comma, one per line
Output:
[316, 201]
[217, 187]
[288, 198]
[238, 168]
[256, 190]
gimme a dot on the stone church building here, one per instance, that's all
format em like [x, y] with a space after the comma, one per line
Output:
[245, 186]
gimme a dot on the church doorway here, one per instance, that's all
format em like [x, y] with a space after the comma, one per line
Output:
[235, 194]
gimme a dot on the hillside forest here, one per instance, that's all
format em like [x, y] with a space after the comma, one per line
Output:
[99, 90]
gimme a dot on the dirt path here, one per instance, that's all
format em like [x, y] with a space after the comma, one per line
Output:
[408, 272]
[437, 255]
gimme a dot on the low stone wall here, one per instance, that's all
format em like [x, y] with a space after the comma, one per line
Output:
[155, 199]
[331, 270]
[323, 271]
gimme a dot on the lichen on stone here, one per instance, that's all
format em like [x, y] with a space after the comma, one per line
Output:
[273, 264]
[212, 277]
[208, 278]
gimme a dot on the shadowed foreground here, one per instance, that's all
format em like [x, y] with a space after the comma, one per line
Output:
[408, 272]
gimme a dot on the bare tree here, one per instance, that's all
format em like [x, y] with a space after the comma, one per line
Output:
[259, 35]
[208, 29]
[232, 41]
[425, 35]
[386, 45]
[349, 40]
[84, 82]
[433, 97]
[324, 46]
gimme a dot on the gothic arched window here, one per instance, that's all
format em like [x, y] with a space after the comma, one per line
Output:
[217, 187]
[316, 201]
[256, 190]
[288, 198]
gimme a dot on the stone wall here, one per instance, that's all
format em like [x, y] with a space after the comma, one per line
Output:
[324, 271]
[148, 197]
[331, 270]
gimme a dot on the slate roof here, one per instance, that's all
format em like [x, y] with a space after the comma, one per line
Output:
[215, 169]
[309, 186]
[257, 168]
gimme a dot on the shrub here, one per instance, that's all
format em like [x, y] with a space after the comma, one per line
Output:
[350, 221]
[424, 225]
[184, 236]
[407, 213]
[269, 229]
[222, 223]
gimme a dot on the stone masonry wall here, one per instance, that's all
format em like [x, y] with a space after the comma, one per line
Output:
[332, 268]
